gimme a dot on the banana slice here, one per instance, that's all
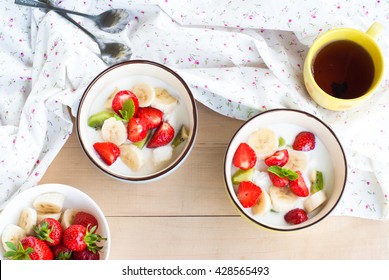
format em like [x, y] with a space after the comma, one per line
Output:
[263, 205]
[282, 198]
[114, 131]
[49, 202]
[27, 220]
[164, 101]
[108, 102]
[298, 161]
[314, 201]
[132, 156]
[68, 217]
[42, 216]
[264, 142]
[162, 154]
[145, 94]
[12, 233]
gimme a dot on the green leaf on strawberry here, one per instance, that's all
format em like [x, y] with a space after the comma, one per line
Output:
[127, 111]
[283, 172]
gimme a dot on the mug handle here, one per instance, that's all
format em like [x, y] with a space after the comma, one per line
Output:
[374, 30]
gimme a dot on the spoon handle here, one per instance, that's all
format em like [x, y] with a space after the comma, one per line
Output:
[38, 4]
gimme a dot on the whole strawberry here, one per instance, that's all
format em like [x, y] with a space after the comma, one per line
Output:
[29, 248]
[60, 252]
[78, 238]
[50, 231]
[86, 255]
[85, 219]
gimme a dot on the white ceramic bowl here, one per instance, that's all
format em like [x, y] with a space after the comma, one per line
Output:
[333, 152]
[74, 198]
[124, 76]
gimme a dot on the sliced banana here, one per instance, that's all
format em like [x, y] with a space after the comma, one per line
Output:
[12, 233]
[282, 198]
[162, 154]
[41, 216]
[298, 161]
[314, 201]
[263, 205]
[49, 202]
[68, 217]
[114, 131]
[164, 101]
[145, 94]
[132, 156]
[108, 102]
[27, 220]
[264, 142]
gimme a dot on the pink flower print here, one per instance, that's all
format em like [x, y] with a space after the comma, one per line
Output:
[45, 55]
[289, 20]
[196, 62]
[21, 54]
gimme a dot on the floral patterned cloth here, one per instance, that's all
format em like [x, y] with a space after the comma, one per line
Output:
[239, 58]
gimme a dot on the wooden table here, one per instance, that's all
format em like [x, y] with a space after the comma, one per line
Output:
[188, 215]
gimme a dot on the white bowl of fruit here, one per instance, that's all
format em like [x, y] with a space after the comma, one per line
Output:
[53, 222]
[137, 121]
[285, 170]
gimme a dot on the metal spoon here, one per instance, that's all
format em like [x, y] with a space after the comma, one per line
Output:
[111, 21]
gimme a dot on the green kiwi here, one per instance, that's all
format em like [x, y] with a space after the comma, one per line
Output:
[140, 144]
[181, 136]
[97, 120]
[242, 175]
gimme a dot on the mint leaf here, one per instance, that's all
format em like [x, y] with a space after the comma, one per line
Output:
[283, 172]
[128, 110]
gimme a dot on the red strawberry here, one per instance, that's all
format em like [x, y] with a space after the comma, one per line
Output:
[298, 186]
[108, 151]
[248, 193]
[30, 248]
[150, 116]
[85, 255]
[162, 136]
[60, 252]
[121, 97]
[78, 238]
[304, 141]
[279, 158]
[296, 216]
[278, 181]
[137, 130]
[50, 231]
[85, 219]
[244, 157]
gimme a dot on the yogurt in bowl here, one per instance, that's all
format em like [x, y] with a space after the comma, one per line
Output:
[276, 179]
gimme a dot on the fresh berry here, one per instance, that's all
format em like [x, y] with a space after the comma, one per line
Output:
[85, 219]
[86, 255]
[108, 151]
[304, 141]
[162, 136]
[60, 252]
[279, 158]
[296, 216]
[150, 116]
[278, 181]
[78, 238]
[248, 193]
[298, 186]
[244, 157]
[50, 231]
[137, 130]
[29, 248]
[121, 97]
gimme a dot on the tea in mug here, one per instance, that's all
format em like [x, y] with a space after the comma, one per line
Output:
[343, 69]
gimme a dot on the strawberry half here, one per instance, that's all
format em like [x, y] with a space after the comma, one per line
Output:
[296, 216]
[279, 158]
[162, 136]
[137, 130]
[305, 141]
[121, 97]
[108, 151]
[248, 194]
[150, 116]
[244, 157]
[298, 186]
[278, 181]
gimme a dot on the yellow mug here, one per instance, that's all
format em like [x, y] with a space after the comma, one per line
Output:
[364, 40]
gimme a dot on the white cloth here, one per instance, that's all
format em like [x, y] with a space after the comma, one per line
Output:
[239, 58]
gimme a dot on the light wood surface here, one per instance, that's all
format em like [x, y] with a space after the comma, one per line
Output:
[188, 215]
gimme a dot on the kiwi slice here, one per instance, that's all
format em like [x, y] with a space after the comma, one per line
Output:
[242, 175]
[140, 144]
[181, 136]
[97, 120]
[318, 183]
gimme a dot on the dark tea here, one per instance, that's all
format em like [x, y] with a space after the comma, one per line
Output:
[343, 69]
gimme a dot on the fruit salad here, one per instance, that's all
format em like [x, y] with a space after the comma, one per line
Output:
[281, 175]
[47, 231]
[139, 128]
